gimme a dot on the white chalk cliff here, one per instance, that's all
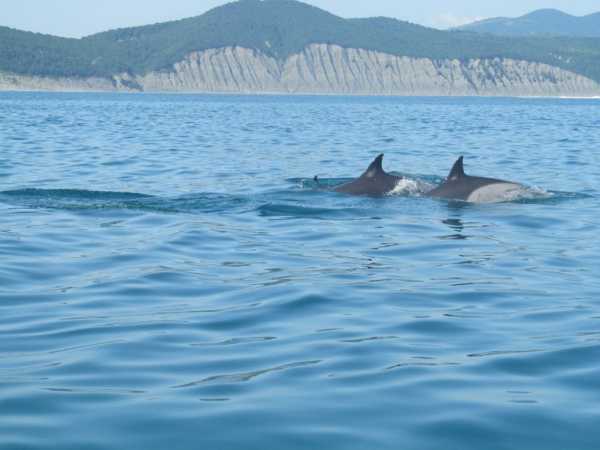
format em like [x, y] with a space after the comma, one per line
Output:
[331, 69]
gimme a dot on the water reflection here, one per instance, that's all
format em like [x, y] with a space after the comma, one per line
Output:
[457, 226]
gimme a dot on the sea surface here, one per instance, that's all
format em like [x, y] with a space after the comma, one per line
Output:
[172, 278]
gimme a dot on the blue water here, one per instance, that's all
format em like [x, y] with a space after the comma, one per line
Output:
[170, 277]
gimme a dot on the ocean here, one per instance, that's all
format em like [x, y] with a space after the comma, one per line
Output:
[172, 278]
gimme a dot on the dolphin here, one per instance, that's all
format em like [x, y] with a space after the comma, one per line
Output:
[459, 186]
[375, 182]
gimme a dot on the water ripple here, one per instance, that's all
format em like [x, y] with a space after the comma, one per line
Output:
[244, 377]
[172, 277]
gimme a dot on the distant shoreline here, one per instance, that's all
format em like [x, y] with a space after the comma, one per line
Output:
[265, 47]
[290, 94]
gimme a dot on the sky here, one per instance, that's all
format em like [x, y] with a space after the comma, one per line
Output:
[77, 18]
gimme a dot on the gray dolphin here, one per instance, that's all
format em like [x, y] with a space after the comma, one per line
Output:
[459, 186]
[375, 182]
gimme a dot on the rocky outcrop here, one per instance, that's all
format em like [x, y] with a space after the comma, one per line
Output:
[330, 69]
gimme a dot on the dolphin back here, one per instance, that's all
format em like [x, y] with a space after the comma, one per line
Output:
[459, 186]
[373, 182]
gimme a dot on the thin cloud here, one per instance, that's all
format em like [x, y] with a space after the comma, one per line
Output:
[450, 20]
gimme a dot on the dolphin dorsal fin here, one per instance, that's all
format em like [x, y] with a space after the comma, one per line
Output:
[458, 170]
[375, 168]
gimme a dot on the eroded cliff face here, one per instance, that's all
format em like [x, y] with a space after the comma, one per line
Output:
[16, 82]
[330, 69]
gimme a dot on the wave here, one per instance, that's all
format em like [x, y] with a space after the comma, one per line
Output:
[537, 195]
[84, 200]
[305, 200]
[75, 194]
[303, 211]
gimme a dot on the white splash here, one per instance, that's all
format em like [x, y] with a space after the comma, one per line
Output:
[534, 193]
[411, 187]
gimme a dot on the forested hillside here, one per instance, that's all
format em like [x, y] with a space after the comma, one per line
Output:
[277, 28]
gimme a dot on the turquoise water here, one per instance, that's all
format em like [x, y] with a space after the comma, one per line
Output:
[170, 278]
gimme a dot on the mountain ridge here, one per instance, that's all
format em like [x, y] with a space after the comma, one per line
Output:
[549, 22]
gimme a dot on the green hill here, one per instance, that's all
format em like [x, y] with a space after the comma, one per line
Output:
[277, 28]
